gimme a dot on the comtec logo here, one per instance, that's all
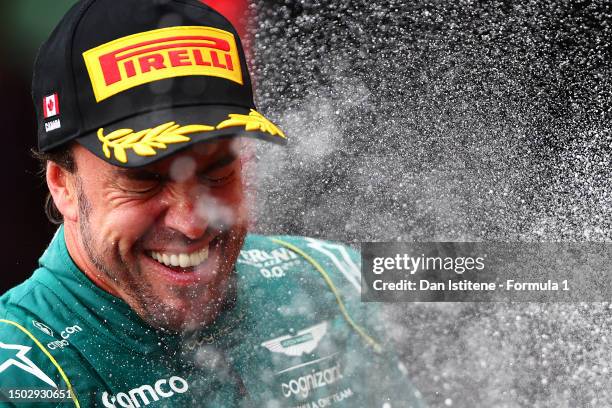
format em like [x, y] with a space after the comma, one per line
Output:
[146, 394]
[159, 54]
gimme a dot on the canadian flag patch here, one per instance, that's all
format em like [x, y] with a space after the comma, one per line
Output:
[50, 106]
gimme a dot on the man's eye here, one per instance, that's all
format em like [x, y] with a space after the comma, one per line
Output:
[216, 179]
[141, 187]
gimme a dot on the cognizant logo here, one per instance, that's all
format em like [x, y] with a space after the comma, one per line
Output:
[146, 394]
[303, 385]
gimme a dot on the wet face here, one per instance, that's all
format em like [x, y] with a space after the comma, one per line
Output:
[165, 237]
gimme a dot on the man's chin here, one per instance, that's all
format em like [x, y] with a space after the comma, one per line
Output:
[181, 321]
[192, 311]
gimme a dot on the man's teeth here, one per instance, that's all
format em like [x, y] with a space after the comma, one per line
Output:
[182, 260]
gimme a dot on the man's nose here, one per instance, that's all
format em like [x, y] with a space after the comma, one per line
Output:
[183, 213]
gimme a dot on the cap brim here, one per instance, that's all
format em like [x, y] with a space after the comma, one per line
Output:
[146, 138]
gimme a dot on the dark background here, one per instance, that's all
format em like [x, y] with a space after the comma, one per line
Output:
[23, 27]
[436, 120]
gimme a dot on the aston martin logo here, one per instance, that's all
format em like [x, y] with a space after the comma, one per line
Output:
[305, 341]
[43, 328]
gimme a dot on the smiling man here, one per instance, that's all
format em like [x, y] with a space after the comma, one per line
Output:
[151, 291]
[166, 235]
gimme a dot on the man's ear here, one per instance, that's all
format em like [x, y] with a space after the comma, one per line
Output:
[62, 187]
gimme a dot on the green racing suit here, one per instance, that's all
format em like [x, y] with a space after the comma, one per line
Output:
[297, 336]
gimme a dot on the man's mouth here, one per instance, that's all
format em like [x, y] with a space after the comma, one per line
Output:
[182, 260]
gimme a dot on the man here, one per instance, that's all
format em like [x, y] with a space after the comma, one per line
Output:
[151, 292]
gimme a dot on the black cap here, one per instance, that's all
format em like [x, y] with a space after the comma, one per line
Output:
[137, 80]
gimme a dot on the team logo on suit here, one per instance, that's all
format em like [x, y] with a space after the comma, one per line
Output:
[305, 341]
[17, 358]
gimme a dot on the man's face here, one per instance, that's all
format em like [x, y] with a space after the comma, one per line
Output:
[165, 237]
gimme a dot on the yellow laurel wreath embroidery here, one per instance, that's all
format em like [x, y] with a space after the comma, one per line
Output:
[146, 141]
[253, 121]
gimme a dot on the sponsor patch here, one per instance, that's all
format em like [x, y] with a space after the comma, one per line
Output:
[272, 264]
[309, 382]
[146, 394]
[159, 54]
[52, 125]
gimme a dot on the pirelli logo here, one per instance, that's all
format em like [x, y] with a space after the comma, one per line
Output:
[159, 54]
